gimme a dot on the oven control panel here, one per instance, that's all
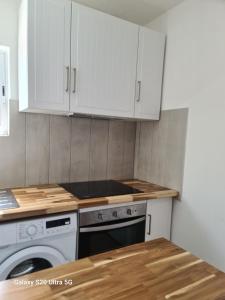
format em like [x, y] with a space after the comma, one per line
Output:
[112, 214]
[45, 227]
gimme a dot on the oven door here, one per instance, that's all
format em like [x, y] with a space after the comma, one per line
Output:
[94, 239]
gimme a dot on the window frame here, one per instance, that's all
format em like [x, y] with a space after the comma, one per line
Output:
[4, 102]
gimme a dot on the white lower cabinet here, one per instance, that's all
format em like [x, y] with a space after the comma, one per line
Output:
[158, 219]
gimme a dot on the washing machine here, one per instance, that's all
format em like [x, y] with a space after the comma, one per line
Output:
[36, 244]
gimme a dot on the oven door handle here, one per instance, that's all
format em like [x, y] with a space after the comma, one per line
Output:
[113, 226]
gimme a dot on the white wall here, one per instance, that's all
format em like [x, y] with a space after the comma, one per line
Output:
[195, 78]
[9, 36]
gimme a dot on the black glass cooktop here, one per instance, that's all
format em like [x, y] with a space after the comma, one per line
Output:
[97, 189]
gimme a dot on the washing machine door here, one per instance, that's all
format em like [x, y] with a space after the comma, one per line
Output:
[30, 260]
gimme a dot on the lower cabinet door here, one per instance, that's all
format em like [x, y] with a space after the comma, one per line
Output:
[158, 219]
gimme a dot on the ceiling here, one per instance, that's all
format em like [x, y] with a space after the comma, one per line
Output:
[137, 11]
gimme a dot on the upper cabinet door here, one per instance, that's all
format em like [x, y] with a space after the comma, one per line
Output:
[149, 74]
[103, 63]
[48, 50]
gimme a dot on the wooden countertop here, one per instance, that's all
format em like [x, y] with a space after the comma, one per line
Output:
[156, 270]
[50, 199]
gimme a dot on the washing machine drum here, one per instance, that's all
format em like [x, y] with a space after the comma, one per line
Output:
[30, 260]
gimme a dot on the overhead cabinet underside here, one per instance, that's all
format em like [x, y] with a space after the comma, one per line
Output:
[74, 59]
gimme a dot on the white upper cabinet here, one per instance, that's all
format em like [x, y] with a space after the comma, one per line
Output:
[149, 74]
[104, 61]
[44, 55]
[74, 59]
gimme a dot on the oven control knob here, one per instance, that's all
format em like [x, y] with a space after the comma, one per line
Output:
[129, 212]
[31, 230]
[100, 216]
[115, 214]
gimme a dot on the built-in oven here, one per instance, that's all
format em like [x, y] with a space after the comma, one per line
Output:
[103, 230]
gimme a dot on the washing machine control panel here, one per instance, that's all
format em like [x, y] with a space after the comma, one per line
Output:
[41, 228]
[30, 230]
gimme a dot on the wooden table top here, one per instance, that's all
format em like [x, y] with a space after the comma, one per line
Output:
[49, 199]
[156, 270]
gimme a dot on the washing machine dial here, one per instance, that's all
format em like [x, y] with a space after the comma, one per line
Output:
[32, 230]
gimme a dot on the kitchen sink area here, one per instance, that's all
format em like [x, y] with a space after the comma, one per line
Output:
[7, 200]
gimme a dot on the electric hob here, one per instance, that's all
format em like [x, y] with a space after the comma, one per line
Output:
[98, 189]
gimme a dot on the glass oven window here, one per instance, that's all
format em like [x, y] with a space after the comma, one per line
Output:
[91, 243]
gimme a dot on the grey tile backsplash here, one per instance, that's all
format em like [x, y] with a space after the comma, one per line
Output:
[52, 149]
[37, 148]
[48, 149]
[13, 151]
[160, 149]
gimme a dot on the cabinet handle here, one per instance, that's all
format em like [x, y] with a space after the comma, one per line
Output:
[150, 225]
[139, 91]
[75, 80]
[3, 91]
[67, 78]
